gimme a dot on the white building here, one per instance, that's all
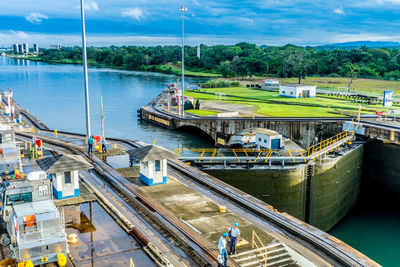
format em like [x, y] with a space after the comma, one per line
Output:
[25, 48]
[153, 163]
[271, 82]
[63, 172]
[297, 90]
[55, 46]
[20, 49]
[269, 139]
[36, 49]
[15, 48]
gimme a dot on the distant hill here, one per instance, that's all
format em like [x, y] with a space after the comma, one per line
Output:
[358, 44]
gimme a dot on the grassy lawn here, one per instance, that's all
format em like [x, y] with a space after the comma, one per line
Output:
[360, 85]
[201, 112]
[271, 104]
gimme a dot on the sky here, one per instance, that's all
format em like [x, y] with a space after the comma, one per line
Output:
[158, 22]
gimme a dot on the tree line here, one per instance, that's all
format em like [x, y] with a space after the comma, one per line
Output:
[244, 60]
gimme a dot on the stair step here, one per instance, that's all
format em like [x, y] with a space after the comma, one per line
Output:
[271, 248]
[258, 254]
[270, 260]
[280, 263]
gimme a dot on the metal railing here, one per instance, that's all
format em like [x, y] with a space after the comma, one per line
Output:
[254, 238]
[329, 144]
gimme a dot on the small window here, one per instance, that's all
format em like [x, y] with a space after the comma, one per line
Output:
[67, 177]
[265, 140]
[259, 139]
[157, 166]
[291, 93]
[19, 198]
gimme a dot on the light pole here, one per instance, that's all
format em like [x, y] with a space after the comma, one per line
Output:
[183, 9]
[84, 61]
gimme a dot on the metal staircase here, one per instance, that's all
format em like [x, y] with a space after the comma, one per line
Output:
[277, 255]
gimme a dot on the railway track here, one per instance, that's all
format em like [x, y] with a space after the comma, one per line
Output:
[315, 240]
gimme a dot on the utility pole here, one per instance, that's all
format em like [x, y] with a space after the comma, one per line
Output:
[183, 9]
[102, 117]
[88, 133]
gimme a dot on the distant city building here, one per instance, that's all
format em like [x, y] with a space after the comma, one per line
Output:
[25, 46]
[15, 48]
[20, 49]
[198, 51]
[36, 49]
[55, 46]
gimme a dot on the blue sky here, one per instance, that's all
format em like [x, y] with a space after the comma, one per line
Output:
[153, 22]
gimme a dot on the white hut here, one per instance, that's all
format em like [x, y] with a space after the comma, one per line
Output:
[269, 139]
[63, 171]
[297, 90]
[153, 163]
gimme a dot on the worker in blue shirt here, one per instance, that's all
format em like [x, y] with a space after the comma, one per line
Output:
[222, 248]
[103, 145]
[234, 234]
[90, 145]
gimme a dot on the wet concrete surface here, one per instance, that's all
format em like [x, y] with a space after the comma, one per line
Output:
[101, 241]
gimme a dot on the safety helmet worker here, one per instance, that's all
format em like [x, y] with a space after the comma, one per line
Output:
[225, 234]
[235, 224]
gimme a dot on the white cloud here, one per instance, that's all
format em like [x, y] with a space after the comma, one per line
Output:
[89, 6]
[19, 34]
[135, 13]
[388, 1]
[339, 11]
[247, 20]
[36, 17]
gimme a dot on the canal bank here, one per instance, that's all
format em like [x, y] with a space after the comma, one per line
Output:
[34, 82]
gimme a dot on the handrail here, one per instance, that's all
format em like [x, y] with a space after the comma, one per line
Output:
[254, 244]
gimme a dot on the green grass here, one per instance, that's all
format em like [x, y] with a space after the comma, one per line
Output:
[201, 112]
[271, 104]
[360, 85]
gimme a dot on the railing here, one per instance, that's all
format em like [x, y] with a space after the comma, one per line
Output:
[329, 144]
[255, 238]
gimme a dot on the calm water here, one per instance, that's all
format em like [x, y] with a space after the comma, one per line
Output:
[54, 93]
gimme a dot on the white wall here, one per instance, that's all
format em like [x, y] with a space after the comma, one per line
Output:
[290, 91]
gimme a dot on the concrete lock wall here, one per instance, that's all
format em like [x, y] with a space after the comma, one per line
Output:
[283, 188]
[334, 188]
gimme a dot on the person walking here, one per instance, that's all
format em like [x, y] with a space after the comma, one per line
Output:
[222, 248]
[90, 145]
[103, 145]
[234, 235]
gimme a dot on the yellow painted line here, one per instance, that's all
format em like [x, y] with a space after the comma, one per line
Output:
[213, 155]
[202, 154]
[234, 152]
[290, 153]
[257, 156]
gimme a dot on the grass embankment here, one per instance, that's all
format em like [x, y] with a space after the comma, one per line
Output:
[201, 112]
[271, 104]
[359, 85]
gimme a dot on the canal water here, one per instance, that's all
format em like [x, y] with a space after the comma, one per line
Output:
[54, 93]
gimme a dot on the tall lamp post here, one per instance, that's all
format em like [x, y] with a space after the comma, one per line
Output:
[88, 133]
[183, 10]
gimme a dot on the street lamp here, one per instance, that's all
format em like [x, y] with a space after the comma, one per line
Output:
[183, 10]
[84, 61]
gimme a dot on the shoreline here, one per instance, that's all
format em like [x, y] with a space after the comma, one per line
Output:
[151, 68]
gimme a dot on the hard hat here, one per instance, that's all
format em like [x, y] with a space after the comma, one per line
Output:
[225, 234]
[235, 224]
